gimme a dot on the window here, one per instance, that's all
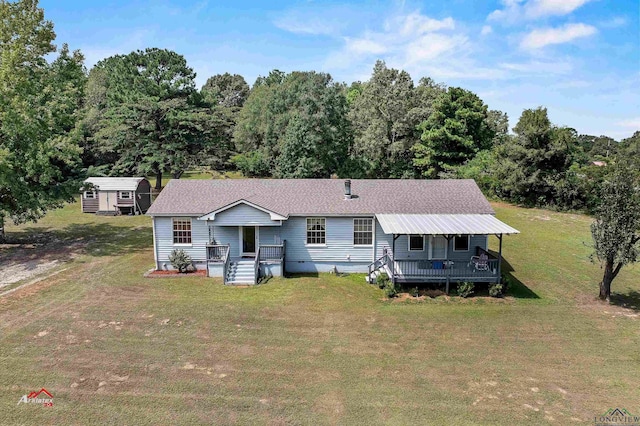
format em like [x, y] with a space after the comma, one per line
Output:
[316, 230]
[89, 195]
[125, 195]
[416, 243]
[181, 230]
[461, 243]
[362, 232]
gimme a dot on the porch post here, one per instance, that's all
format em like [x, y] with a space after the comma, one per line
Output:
[393, 259]
[448, 237]
[499, 259]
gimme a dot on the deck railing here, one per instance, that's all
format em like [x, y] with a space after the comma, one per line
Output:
[217, 252]
[429, 269]
[220, 253]
[272, 251]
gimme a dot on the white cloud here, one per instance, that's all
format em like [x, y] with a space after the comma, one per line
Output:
[298, 25]
[364, 46]
[416, 23]
[518, 10]
[616, 22]
[539, 67]
[486, 30]
[405, 41]
[632, 123]
[538, 8]
[542, 37]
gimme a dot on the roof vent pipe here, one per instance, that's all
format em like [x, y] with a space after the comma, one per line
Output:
[347, 189]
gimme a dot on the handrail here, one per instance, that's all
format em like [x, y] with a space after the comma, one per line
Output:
[376, 264]
[256, 266]
[227, 257]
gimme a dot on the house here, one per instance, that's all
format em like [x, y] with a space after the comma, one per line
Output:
[116, 195]
[414, 230]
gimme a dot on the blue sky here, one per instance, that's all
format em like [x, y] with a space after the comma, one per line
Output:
[579, 58]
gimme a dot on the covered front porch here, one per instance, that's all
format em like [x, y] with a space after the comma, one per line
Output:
[473, 263]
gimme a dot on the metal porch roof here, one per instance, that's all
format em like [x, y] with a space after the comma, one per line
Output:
[115, 183]
[443, 224]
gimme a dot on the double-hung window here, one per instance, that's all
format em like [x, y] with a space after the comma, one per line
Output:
[416, 243]
[461, 243]
[89, 195]
[362, 232]
[316, 231]
[181, 230]
[125, 195]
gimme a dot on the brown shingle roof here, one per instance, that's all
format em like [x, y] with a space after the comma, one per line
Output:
[323, 196]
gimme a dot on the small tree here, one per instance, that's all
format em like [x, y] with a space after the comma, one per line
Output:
[616, 230]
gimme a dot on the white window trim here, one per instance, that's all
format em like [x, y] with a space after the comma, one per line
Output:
[353, 233]
[468, 243]
[446, 248]
[409, 242]
[89, 198]
[306, 243]
[172, 236]
[128, 192]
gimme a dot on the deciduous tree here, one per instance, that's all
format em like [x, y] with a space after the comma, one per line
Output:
[295, 123]
[616, 229]
[39, 152]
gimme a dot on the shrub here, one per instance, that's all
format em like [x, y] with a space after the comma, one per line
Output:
[465, 289]
[180, 260]
[415, 292]
[496, 290]
[391, 289]
[382, 280]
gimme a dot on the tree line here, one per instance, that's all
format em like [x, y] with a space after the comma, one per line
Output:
[142, 114]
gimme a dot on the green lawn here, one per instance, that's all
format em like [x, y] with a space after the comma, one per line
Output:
[114, 347]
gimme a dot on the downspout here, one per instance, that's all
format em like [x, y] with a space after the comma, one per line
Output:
[155, 248]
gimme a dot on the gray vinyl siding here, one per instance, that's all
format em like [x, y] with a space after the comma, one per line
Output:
[270, 235]
[231, 235]
[339, 242]
[243, 214]
[402, 246]
[163, 227]
[227, 235]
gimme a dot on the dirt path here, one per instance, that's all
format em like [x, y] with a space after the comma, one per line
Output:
[19, 262]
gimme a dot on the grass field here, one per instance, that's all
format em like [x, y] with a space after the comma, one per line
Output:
[114, 347]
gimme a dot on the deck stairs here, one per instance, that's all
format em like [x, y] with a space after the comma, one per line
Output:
[241, 272]
[373, 277]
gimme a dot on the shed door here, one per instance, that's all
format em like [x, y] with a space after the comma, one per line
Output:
[105, 199]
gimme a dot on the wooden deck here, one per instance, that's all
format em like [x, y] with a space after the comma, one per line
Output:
[438, 271]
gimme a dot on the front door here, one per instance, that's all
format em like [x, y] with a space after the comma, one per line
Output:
[248, 240]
